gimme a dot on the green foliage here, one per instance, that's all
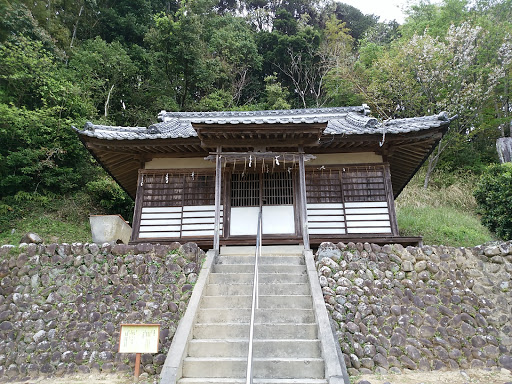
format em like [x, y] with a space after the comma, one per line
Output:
[63, 63]
[494, 196]
[107, 72]
[109, 195]
[39, 152]
[216, 101]
[276, 94]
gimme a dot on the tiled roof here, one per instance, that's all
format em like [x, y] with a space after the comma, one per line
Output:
[356, 124]
[340, 121]
[284, 116]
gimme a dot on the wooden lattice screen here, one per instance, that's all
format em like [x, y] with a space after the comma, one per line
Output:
[176, 204]
[348, 200]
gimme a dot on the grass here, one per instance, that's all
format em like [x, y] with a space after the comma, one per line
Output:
[444, 214]
[56, 219]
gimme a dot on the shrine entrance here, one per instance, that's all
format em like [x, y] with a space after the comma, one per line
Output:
[273, 193]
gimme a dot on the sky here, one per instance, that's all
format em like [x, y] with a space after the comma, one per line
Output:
[386, 9]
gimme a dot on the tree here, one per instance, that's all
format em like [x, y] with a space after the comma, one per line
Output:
[107, 72]
[338, 84]
[180, 62]
[356, 22]
[231, 43]
[425, 75]
[39, 151]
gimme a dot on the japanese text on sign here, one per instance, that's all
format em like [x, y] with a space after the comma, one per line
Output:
[139, 338]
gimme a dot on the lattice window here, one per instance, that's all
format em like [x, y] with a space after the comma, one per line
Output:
[177, 205]
[199, 190]
[323, 187]
[245, 190]
[162, 190]
[277, 188]
[176, 190]
[364, 184]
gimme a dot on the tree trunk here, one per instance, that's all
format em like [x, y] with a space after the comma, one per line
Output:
[108, 100]
[504, 148]
[75, 27]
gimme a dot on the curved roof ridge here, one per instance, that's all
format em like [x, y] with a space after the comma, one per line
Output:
[164, 115]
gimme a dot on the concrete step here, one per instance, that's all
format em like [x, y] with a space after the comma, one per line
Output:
[265, 301]
[247, 278]
[267, 250]
[267, 348]
[290, 289]
[229, 380]
[264, 260]
[261, 331]
[265, 268]
[242, 315]
[286, 368]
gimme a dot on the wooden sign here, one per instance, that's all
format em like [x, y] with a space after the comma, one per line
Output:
[139, 338]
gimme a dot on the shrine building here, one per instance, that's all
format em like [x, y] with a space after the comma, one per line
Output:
[324, 174]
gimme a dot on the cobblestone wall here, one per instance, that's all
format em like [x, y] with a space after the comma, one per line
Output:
[394, 308]
[61, 306]
[427, 308]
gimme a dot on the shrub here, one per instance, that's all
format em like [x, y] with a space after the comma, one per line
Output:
[494, 197]
[110, 196]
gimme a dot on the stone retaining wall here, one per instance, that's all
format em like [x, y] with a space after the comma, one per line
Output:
[394, 309]
[428, 308]
[61, 306]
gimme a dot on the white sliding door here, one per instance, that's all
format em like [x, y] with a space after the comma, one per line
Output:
[273, 193]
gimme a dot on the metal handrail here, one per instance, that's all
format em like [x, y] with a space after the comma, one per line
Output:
[255, 301]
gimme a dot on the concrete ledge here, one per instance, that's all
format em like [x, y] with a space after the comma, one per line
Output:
[172, 369]
[335, 369]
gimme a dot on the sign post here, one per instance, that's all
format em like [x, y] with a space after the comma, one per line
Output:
[138, 339]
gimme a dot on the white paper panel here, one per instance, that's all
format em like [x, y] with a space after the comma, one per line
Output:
[197, 233]
[325, 206]
[369, 230]
[366, 204]
[160, 216]
[352, 224]
[326, 231]
[325, 218]
[326, 225]
[278, 219]
[160, 209]
[200, 220]
[161, 222]
[244, 221]
[159, 228]
[200, 208]
[366, 210]
[367, 217]
[148, 235]
[199, 214]
[195, 227]
[325, 212]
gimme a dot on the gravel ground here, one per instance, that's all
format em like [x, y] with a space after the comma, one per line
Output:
[470, 376]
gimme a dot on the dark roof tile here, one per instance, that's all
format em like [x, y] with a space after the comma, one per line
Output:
[340, 121]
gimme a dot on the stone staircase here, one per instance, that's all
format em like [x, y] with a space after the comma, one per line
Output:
[287, 348]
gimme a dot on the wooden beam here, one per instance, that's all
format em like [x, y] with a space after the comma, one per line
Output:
[391, 200]
[303, 200]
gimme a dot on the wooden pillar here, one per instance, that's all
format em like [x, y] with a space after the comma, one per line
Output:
[218, 180]
[391, 201]
[303, 200]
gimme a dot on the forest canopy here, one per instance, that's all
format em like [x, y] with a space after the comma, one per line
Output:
[63, 63]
